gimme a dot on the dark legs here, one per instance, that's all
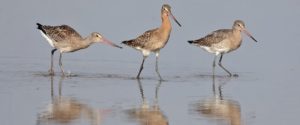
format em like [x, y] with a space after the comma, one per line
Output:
[51, 72]
[220, 64]
[60, 64]
[141, 68]
[156, 66]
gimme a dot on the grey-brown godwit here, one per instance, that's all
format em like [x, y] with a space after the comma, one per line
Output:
[66, 39]
[223, 41]
[154, 40]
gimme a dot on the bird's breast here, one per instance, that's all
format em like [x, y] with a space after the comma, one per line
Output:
[158, 41]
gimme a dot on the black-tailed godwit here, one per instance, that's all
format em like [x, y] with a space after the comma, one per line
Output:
[66, 39]
[223, 41]
[154, 40]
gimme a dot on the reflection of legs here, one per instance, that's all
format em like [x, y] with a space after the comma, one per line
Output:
[156, 106]
[156, 66]
[60, 85]
[60, 64]
[141, 89]
[220, 64]
[156, 91]
[145, 105]
[214, 85]
[214, 65]
[141, 68]
[51, 72]
[220, 92]
[52, 91]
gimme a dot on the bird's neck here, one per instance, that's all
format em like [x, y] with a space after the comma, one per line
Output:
[237, 38]
[237, 33]
[86, 42]
[166, 24]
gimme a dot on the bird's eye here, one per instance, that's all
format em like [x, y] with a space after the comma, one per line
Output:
[166, 9]
[99, 36]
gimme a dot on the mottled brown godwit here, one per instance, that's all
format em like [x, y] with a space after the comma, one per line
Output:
[66, 39]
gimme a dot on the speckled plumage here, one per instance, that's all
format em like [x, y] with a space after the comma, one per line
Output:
[66, 39]
[60, 33]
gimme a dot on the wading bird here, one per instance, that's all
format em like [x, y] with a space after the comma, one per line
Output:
[223, 41]
[154, 40]
[66, 39]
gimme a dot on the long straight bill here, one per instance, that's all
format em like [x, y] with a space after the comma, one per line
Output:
[248, 34]
[175, 19]
[106, 41]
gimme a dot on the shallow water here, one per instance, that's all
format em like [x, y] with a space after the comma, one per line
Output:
[101, 89]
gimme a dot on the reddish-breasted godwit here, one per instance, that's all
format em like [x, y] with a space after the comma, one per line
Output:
[154, 40]
[66, 39]
[223, 41]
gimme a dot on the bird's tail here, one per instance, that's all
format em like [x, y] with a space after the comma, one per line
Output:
[40, 27]
[191, 41]
[127, 42]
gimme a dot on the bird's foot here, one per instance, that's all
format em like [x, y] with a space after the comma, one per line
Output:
[235, 75]
[51, 72]
[162, 80]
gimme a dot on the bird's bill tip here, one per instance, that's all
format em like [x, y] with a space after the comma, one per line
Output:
[248, 34]
[108, 42]
[175, 19]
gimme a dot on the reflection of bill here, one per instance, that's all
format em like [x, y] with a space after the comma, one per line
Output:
[66, 110]
[225, 111]
[145, 114]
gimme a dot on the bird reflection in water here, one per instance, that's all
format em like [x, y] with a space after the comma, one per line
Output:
[148, 114]
[68, 110]
[224, 111]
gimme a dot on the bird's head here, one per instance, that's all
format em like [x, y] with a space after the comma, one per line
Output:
[166, 11]
[240, 25]
[97, 37]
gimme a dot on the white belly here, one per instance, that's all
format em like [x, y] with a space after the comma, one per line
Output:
[215, 50]
[47, 38]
